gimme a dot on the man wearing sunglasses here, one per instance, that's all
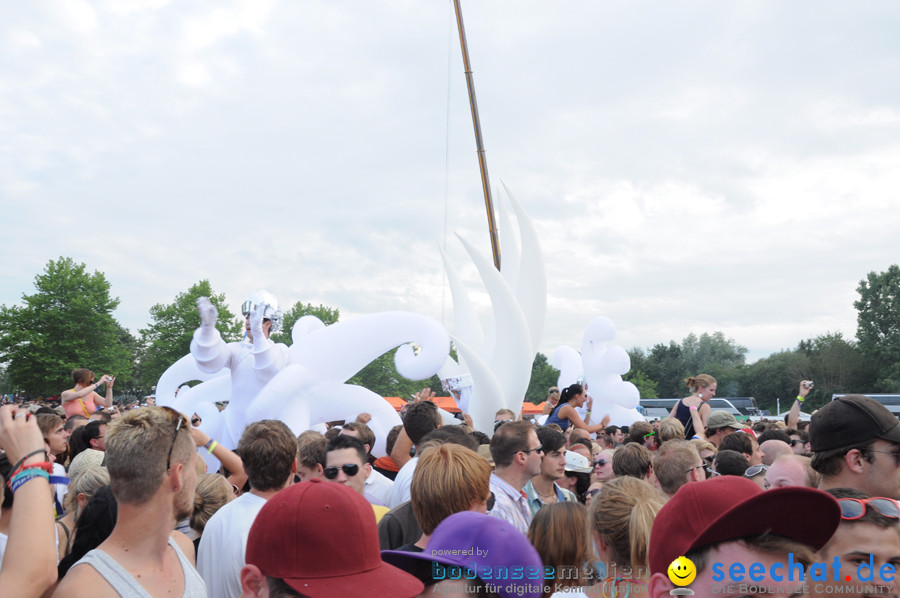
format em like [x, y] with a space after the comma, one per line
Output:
[345, 463]
[856, 444]
[869, 529]
[517, 454]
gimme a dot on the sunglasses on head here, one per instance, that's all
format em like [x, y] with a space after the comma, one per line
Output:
[351, 469]
[754, 470]
[855, 508]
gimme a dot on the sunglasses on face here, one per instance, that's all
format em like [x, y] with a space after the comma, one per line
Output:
[351, 469]
[600, 462]
[855, 508]
[539, 450]
[796, 441]
[490, 501]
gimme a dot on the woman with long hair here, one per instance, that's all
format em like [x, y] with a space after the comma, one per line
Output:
[95, 524]
[81, 491]
[621, 518]
[565, 414]
[696, 406]
[559, 532]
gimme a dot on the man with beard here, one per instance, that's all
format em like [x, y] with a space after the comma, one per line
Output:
[152, 464]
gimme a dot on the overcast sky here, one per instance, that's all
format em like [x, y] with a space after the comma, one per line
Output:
[690, 166]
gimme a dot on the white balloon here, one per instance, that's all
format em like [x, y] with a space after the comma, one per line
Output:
[616, 361]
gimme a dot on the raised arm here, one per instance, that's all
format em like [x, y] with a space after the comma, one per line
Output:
[228, 458]
[70, 395]
[207, 346]
[29, 563]
[106, 401]
[569, 412]
[794, 413]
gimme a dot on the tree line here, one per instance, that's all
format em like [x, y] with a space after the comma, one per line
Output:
[67, 322]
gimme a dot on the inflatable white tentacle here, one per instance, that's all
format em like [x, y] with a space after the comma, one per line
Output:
[339, 351]
[487, 392]
[512, 360]
[531, 289]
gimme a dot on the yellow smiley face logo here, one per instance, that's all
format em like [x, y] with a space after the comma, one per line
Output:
[682, 571]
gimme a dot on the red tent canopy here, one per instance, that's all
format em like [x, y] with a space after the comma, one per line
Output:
[529, 408]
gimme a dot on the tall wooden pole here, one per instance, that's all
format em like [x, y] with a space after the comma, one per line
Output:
[479, 143]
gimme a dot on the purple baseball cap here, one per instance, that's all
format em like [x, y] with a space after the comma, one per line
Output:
[470, 543]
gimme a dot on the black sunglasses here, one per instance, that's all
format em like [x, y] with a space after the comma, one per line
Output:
[600, 462]
[490, 501]
[539, 449]
[179, 422]
[351, 469]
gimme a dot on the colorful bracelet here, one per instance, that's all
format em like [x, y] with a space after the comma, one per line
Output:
[43, 465]
[21, 461]
[208, 444]
[26, 476]
[212, 447]
[801, 399]
[692, 407]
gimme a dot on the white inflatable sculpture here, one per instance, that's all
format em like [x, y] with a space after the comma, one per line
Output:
[303, 385]
[499, 357]
[602, 368]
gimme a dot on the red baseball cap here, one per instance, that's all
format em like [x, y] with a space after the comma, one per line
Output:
[321, 539]
[730, 508]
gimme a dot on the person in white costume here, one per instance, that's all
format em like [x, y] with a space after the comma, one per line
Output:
[253, 362]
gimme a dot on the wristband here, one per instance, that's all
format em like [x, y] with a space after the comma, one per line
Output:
[208, 444]
[692, 407]
[801, 399]
[21, 461]
[212, 447]
[24, 477]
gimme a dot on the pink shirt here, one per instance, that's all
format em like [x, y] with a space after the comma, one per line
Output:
[74, 407]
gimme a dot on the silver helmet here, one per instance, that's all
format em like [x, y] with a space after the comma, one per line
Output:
[272, 313]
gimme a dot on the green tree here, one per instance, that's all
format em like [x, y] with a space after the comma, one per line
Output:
[66, 324]
[645, 385]
[878, 326]
[543, 376]
[777, 377]
[168, 337]
[328, 315]
[381, 377]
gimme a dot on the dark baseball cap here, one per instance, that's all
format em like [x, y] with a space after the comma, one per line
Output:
[851, 421]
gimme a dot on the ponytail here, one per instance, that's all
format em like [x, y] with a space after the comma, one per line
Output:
[570, 392]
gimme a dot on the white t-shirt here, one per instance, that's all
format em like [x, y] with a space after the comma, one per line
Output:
[400, 492]
[378, 488]
[223, 545]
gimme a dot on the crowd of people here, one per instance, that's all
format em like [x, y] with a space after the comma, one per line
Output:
[120, 504]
